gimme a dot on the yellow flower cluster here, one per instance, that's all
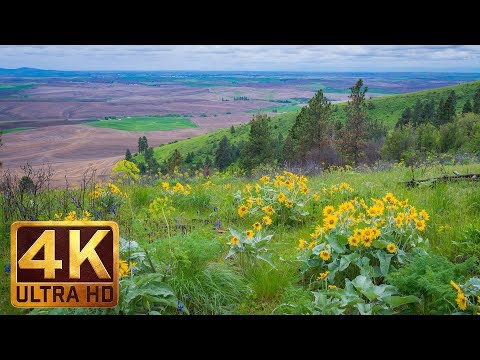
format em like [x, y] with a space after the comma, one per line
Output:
[178, 188]
[124, 267]
[72, 215]
[161, 205]
[110, 187]
[461, 298]
[115, 190]
[364, 223]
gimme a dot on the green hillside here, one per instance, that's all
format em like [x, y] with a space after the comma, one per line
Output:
[387, 109]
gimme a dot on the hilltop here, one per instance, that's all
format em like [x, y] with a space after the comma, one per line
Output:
[385, 109]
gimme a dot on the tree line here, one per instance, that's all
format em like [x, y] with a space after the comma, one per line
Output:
[317, 138]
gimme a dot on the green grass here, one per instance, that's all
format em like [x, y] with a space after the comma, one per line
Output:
[20, 128]
[145, 123]
[15, 87]
[274, 108]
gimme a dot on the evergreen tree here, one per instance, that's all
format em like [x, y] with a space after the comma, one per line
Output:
[428, 113]
[142, 144]
[447, 110]
[143, 168]
[467, 108]
[189, 158]
[354, 136]
[279, 148]
[439, 112]
[232, 130]
[208, 162]
[476, 101]
[223, 155]
[417, 113]
[259, 148]
[128, 155]
[311, 131]
[175, 161]
[405, 118]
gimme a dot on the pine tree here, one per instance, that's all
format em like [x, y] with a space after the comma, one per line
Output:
[405, 118]
[439, 112]
[311, 130]
[142, 144]
[447, 112]
[417, 113]
[232, 130]
[128, 155]
[223, 155]
[428, 113]
[279, 148]
[467, 108]
[354, 136]
[189, 158]
[175, 161]
[259, 148]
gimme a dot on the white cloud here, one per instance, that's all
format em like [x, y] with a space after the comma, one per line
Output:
[244, 57]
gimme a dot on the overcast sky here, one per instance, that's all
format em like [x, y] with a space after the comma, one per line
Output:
[455, 58]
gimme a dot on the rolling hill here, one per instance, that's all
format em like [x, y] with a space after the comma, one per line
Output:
[386, 109]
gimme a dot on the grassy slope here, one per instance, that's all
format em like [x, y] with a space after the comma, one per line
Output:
[453, 207]
[145, 123]
[387, 109]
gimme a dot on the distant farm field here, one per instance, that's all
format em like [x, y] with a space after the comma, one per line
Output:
[145, 123]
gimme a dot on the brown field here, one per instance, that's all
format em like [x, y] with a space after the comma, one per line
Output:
[72, 149]
[59, 108]
[60, 101]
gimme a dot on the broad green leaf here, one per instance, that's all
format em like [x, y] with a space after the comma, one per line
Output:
[385, 260]
[364, 309]
[335, 245]
[267, 258]
[380, 244]
[394, 301]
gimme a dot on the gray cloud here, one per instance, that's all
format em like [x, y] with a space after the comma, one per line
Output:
[244, 57]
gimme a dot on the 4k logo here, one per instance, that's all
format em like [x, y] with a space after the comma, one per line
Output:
[64, 264]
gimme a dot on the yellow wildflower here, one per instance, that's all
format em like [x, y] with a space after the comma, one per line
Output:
[288, 203]
[249, 233]
[461, 300]
[328, 210]
[391, 248]
[420, 224]
[325, 255]
[301, 244]
[330, 221]
[242, 210]
[323, 275]
[257, 226]
[455, 285]
[424, 215]
[234, 241]
[267, 220]
[281, 197]
[353, 240]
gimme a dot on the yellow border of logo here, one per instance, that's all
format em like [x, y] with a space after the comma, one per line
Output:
[81, 288]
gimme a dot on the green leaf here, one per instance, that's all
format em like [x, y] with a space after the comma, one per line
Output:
[342, 239]
[364, 309]
[385, 260]
[380, 244]
[394, 301]
[344, 263]
[267, 258]
[335, 245]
